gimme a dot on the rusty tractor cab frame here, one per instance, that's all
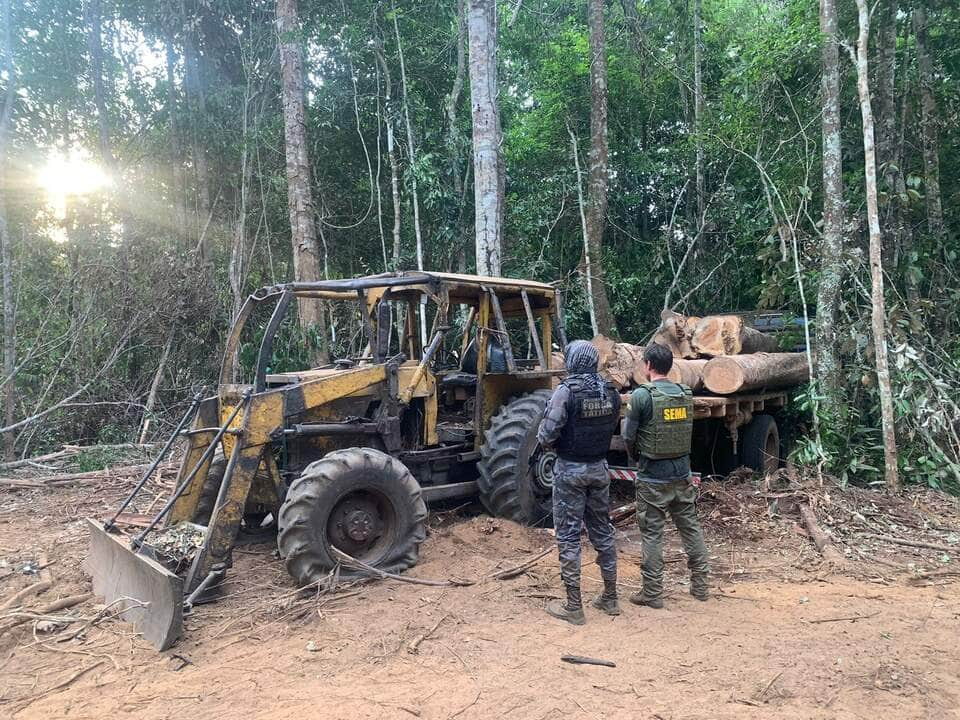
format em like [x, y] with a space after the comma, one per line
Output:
[280, 405]
[395, 414]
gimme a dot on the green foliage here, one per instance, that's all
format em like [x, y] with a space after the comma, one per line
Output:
[104, 286]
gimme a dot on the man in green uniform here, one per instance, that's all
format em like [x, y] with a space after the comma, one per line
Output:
[657, 432]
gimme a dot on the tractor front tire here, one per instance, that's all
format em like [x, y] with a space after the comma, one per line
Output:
[509, 484]
[359, 500]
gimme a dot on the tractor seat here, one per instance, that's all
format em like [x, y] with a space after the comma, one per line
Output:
[458, 379]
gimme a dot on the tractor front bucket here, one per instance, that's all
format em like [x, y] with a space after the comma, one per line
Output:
[151, 596]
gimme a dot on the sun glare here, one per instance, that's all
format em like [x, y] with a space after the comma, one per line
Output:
[73, 174]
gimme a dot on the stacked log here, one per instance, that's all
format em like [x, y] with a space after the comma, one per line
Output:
[718, 335]
[740, 373]
[676, 332]
[619, 363]
[716, 353]
[711, 336]
[688, 372]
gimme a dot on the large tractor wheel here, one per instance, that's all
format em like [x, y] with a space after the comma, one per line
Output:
[210, 489]
[760, 448]
[516, 481]
[359, 500]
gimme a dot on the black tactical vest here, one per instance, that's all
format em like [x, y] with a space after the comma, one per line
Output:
[590, 421]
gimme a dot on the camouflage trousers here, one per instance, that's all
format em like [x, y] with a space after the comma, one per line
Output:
[654, 502]
[581, 496]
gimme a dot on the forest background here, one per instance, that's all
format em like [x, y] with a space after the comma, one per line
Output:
[706, 155]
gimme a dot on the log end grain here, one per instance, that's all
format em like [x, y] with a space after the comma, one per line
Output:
[723, 376]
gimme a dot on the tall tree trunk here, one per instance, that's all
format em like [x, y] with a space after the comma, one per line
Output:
[885, 91]
[412, 152]
[930, 130]
[197, 102]
[879, 315]
[902, 227]
[599, 151]
[831, 263]
[176, 159]
[698, 107]
[154, 388]
[587, 260]
[95, 47]
[453, 133]
[389, 121]
[488, 169]
[9, 327]
[236, 267]
[303, 231]
[9, 332]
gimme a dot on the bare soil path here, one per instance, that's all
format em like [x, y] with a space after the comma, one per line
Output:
[783, 637]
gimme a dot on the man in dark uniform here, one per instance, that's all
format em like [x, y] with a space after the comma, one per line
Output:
[657, 431]
[578, 423]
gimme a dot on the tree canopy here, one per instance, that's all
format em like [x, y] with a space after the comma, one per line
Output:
[143, 188]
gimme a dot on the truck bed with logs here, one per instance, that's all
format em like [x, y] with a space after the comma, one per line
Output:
[729, 431]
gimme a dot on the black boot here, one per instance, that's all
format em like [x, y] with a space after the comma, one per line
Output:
[607, 600]
[571, 610]
[698, 586]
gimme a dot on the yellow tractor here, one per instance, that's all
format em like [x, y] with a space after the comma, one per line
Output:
[443, 402]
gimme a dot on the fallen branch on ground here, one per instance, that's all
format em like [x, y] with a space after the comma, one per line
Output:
[851, 618]
[90, 622]
[581, 660]
[92, 475]
[933, 575]
[822, 541]
[384, 575]
[61, 604]
[769, 685]
[519, 569]
[59, 686]
[911, 543]
[882, 561]
[414, 646]
[34, 589]
[59, 455]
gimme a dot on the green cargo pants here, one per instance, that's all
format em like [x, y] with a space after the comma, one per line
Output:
[654, 501]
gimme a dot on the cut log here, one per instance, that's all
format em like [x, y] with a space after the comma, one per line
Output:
[604, 346]
[717, 335]
[622, 363]
[688, 372]
[754, 341]
[675, 332]
[739, 373]
[618, 361]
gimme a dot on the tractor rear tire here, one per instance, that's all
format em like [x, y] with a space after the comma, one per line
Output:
[509, 485]
[359, 500]
[210, 489]
[760, 445]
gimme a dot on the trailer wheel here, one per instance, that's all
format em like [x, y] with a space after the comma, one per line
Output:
[515, 480]
[359, 500]
[760, 444]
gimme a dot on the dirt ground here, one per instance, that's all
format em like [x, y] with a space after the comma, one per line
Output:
[785, 636]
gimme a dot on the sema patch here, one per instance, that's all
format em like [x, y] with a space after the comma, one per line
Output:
[675, 414]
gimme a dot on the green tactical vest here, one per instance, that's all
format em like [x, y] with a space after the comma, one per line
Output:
[670, 430]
